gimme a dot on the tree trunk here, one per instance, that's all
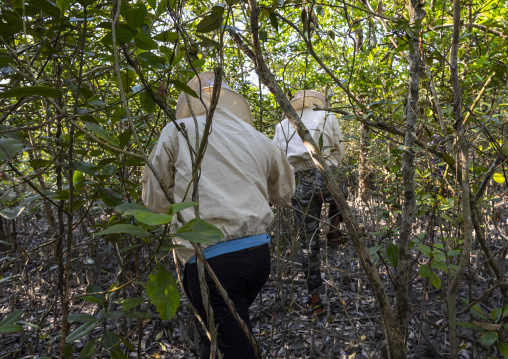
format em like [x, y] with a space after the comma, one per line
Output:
[464, 164]
[416, 14]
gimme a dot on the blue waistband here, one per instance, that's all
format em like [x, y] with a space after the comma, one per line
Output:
[233, 246]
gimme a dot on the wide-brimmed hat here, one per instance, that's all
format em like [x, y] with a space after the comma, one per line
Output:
[228, 98]
[308, 98]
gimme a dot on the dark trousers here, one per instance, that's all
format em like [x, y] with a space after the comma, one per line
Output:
[242, 274]
[311, 193]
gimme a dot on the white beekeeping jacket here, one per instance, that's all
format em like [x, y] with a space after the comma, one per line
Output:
[318, 123]
[242, 171]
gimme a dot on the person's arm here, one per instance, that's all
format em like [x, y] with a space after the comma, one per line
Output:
[281, 179]
[162, 159]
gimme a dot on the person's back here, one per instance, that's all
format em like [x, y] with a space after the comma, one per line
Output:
[238, 176]
[311, 191]
[325, 131]
[241, 171]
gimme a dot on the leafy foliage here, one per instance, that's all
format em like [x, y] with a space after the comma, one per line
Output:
[70, 147]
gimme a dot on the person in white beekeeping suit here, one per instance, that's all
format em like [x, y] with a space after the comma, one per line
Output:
[311, 190]
[241, 173]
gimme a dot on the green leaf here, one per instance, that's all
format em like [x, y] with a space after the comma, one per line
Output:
[392, 252]
[232, 2]
[109, 196]
[373, 250]
[117, 354]
[177, 207]
[183, 87]
[125, 228]
[110, 340]
[124, 138]
[39, 162]
[88, 351]
[85, 3]
[152, 3]
[424, 249]
[489, 338]
[382, 102]
[68, 351]
[31, 325]
[166, 36]
[144, 215]
[151, 218]
[110, 314]
[178, 57]
[505, 148]
[449, 159]
[126, 78]
[208, 42]
[147, 102]
[498, 177]
[47, 7]
[104, 134]
[503, 348]
[424, 270]
[273, 21]
[144, 41]
[137, 315]
[263, 35]
[77, 180]
[152, 60]
[10, 328]
[210, 22]
[128, 248]
[85, 167]
[133, 161]
[435, 280]
[135, 16]
[99, 298]
[131, 303]
[127, 208]
[11, 213]
[469, 325]
[497, 312]
[475, 310]
[23, 91]
[200, 231]
[123, 37]
[162, 290]
[81, 332]
[12, 318]
[80, 318]
[198, 63]
[63, 5]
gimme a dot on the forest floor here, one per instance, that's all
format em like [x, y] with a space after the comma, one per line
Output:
[283, 326]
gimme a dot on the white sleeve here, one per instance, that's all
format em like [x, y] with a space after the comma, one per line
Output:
[281, 178]
[162, 159]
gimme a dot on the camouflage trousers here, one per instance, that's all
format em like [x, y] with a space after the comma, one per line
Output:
[311, 193]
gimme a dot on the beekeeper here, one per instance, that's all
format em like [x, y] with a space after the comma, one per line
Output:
[242, 171]
[311, 191]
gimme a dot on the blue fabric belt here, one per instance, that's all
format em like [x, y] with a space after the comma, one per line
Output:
[233, 246]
